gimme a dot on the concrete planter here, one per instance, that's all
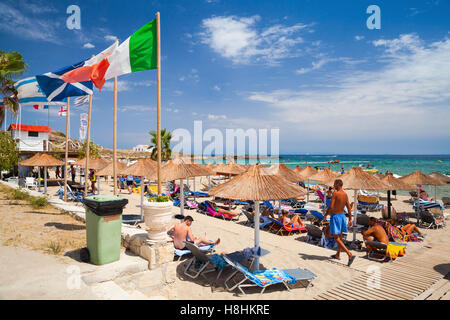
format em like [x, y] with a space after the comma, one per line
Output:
[158, 218]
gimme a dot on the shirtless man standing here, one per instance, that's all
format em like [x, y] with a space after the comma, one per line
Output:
[375, 232]
[181, 232]
[338, 223]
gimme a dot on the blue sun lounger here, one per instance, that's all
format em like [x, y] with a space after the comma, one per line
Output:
[265, 278]
[180, 253]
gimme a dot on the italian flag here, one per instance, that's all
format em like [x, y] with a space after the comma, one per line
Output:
[136, 53]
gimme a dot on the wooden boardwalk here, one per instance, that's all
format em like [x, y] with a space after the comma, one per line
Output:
[421, 275]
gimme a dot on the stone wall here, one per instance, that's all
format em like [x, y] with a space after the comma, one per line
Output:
[161, 278]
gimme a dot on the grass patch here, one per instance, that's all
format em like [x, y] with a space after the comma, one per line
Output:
[18, 194]
[55, 247]
[38, 203]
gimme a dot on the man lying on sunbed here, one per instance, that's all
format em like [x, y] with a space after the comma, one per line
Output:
[375, 232]
[293, 222]
[182, 232]
[221, 209]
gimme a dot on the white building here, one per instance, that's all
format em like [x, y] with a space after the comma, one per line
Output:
[142, 147]
[30, 137]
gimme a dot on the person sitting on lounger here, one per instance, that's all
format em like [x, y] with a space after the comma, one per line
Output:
[375, 232]
[182, 232]
[293, 222]
[221, 210]
[424, 196]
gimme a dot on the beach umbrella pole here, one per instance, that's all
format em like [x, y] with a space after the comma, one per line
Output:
[45, 180]
[256, 219]
[355, 212]
[181, 198]
[307, 193]
[389, 203]
[39, 179]
[209, 183]
[142, 201]
[194, 188]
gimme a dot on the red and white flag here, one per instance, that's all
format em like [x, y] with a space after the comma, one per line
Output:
[62, 111]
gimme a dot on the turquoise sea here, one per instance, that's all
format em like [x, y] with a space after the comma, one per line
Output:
[398, 164]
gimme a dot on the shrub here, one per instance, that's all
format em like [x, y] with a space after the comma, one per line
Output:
[19, 194]
[55, 247]
[160, 199]
[37, 203]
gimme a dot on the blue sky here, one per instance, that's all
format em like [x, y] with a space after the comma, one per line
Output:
[310, 68]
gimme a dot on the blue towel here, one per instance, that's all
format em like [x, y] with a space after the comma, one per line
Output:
[218, 261]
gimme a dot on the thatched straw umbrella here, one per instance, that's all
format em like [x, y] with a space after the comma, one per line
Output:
[257, 185]
[108, 171]
[180, 168]
[282, 170]
[297, 169]
[211, 167]
[324, 176]
[394, 184]
[230, 169]
[420, 178]
[305, 175]
[42, 160]
[96, 164]
[440, 176]
[142, 168]
[356, 179]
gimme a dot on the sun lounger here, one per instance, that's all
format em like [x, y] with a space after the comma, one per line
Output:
[318, 217]
[428, 219]
[280, 228]
[265, 278]
[30, 182]
[378, 251]
[314, 234]
[251, 222]
[446, 201]
[205, 249]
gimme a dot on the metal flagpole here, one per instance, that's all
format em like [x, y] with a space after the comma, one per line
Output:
[158, 99]
[67, 148]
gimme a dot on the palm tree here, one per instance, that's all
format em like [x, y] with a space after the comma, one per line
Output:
[166, 151]
[11, 66]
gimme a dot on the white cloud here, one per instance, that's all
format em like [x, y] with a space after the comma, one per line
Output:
[137, 108]
[216, 87]
[88, 45]
[12, 20]
[406, 96]
[124, 85]
[237, 39]
[323, 61]
[358, 38]
[111, 38]
[217, 117]
[177, 92]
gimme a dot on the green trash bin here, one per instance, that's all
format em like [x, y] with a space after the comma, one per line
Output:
[104, 227]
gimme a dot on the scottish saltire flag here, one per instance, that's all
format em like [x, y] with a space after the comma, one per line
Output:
[56, 89]
[40, 107]
[62, 111]
[29, 93]
[81, 101]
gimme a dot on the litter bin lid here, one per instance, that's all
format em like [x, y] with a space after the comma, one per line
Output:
[105, 205]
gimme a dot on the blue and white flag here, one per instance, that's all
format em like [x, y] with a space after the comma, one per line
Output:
[29, 93]
[56, 89]
[81, 101]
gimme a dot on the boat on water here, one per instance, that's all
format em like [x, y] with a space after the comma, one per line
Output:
[334, 161]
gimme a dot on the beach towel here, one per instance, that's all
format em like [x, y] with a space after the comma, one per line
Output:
[394, 250]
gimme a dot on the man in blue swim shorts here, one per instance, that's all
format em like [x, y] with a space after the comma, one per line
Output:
[338, 220]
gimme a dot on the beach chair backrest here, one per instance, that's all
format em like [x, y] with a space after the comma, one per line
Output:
[196, 252]
[248, 215]
[376, 244]
[268, 204]
[320, 194]
[316, 214]
[313, 231]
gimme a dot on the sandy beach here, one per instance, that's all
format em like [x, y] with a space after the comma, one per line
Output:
[289, 252]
